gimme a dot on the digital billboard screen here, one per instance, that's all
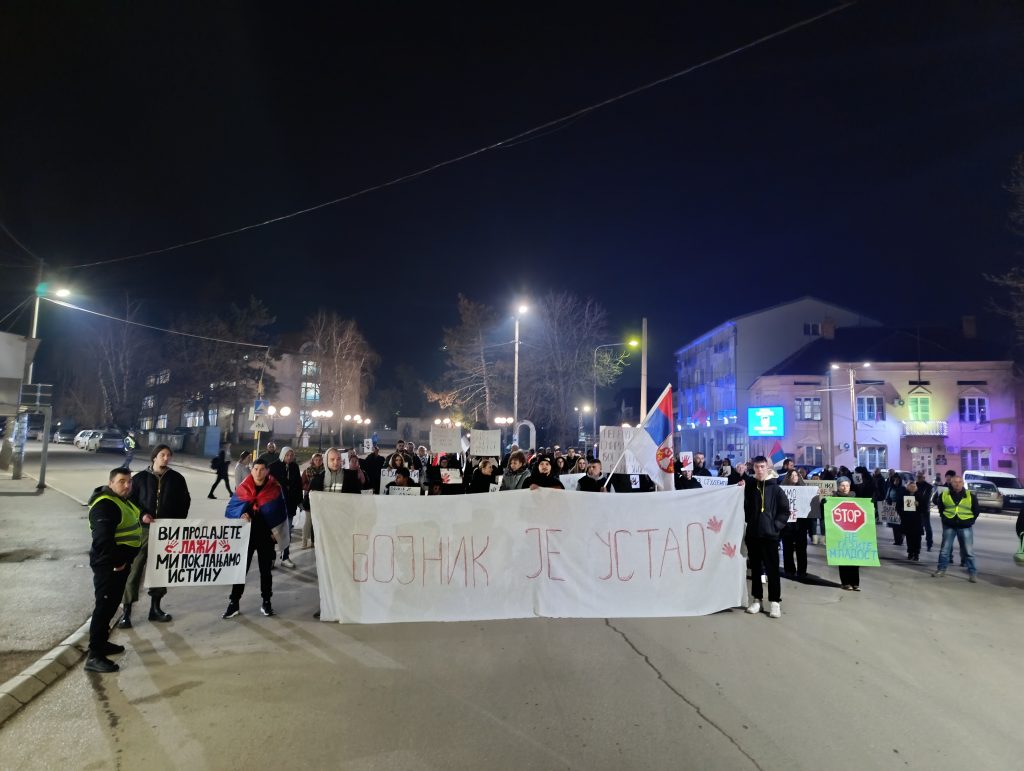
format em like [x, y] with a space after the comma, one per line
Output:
[766, 421]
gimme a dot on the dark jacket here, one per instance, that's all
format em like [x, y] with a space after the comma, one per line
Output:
[162, 497]
[955, 522]
[767, 520]
[544, 480]
[481, 483]
[910, 521]
[290, 478]
[372, 465]
[104, 518]
[623, 483]
[588, 484]
[703, 471]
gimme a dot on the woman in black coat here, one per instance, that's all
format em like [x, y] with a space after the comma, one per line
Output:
[910, 520]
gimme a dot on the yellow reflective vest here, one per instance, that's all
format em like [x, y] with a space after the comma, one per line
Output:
[129, 529]
[963, 510]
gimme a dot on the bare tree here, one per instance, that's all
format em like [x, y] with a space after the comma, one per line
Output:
[121, 353]
[345, 360]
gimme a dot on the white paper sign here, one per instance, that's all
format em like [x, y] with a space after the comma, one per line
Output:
[909, 503]
[685, 461]
[445, 439]
[485, 443]
[614, 456]
[800, 498]
[533, 553]
[451, 476]
[411, 490]
[826, 487]
[570, 481]
[887, 513]
[707, 482]
[197, 552]
[387, 475]
[367, 446]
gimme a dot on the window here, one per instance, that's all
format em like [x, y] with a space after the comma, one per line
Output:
[976, 460]
[810, 455]
[161, 421]
[310, 370]
[873, 456]
[920, 407]
[146, 424]
[211, 416]
[807, 407]
[148, 402]
[150, 381]
[812, 329]
[192, 419]
[309, 392]
[974, 409]
[163, 376]
[870, 408]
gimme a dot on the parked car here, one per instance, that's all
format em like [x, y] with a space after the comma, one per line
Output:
[1009, 486]
[988, 494]
[63, 436]
[106, 441]
[82, 437]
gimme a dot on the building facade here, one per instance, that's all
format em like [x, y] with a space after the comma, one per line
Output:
[715, 371]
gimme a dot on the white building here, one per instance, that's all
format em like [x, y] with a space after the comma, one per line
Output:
[929, 401]
[716, 371]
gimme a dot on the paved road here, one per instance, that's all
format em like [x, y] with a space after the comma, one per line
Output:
[913, 672]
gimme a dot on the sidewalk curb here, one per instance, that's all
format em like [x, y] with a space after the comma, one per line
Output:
[22, 688]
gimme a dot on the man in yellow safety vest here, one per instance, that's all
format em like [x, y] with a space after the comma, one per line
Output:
[958, 511]
[116, 538]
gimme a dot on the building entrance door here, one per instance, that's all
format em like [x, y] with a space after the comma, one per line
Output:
[922, 460]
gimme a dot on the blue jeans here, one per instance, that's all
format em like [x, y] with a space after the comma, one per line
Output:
[966, 537]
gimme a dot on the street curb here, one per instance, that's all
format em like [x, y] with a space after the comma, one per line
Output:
[32, 681]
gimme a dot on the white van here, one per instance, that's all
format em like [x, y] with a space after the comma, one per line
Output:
[1008, 484]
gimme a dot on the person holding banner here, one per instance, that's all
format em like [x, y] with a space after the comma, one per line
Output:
[313, 470]
[286, 471]
[259, 500]
[594, 481]
[116, 538]
[794, 536]
[849, 575]
[766, 508]
[160, 492]
[483, 477]
[543, 475]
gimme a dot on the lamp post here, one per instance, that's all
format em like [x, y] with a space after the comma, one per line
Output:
[852, 371]
[580, 436]
[501, 423]
[515, 377]
[319, 416]
[42, 289]
[631, 344]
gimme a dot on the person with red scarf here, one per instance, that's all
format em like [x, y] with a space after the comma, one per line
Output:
[259, 500]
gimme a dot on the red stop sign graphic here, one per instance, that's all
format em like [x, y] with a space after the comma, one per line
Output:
[849, 517]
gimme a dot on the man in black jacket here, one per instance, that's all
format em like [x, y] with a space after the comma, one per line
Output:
[767, 511]
[958, 511]
[594, 481]
[699, 469]
[160, 492]
[116, 536]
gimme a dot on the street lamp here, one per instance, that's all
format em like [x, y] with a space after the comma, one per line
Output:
[42, 289]
[317, 415]
[632, 344]
[580, 436]
[852, 371]
[515, 377]
[501, 423]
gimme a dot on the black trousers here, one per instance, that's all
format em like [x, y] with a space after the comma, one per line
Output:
[849, 575]
[763, 554]
[227, 485]
[109, 588]
[794, 541]
[261, 542]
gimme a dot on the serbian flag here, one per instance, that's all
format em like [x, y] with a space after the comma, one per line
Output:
[651, 443]
[777, 455]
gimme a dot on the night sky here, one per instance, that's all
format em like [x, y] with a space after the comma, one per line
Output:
[862, 159]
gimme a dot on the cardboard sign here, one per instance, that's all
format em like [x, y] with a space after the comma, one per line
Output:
[825, 486]
[367, 446]
[615, 458]
[708, 482]
[445, 439]
[538, 553]
[887, 513]
[800, 498]
[411, 490]
[850, 532]
[485, 443]
[197, 552]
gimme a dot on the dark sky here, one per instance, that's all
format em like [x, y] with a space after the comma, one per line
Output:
[862, 159]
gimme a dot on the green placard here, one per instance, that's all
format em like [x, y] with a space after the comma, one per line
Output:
[850, 531]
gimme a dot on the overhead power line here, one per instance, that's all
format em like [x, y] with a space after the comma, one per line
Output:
[508, 142]
[149, 326]
[14, 238]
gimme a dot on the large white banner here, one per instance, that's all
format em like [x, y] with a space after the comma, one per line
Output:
[197, 552]
[484, 443]
[528, 553]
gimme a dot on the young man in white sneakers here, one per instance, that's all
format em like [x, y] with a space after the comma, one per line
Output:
[258, 500]
[767, 511]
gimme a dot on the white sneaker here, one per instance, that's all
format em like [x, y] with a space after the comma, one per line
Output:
[287, 564]
[754, 607]
[775, 610]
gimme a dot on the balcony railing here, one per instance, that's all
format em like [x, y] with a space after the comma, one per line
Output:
[925, 428]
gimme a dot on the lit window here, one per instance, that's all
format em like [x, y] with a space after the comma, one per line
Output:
[870, 408]
[150, 381]
[873, 456]
[192, 419]
[309, 392]
[211, 416]
[161, 421]
[146, 424]
[976, 460]
[920, 407]
[310, 370]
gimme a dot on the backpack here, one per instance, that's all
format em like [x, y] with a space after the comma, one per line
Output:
[215, 463]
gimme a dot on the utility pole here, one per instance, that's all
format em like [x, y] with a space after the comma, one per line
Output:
[643, 370]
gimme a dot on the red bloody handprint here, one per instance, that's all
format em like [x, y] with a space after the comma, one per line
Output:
[715, 525]
[729, 550]
[170, 547]
[225, 545]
